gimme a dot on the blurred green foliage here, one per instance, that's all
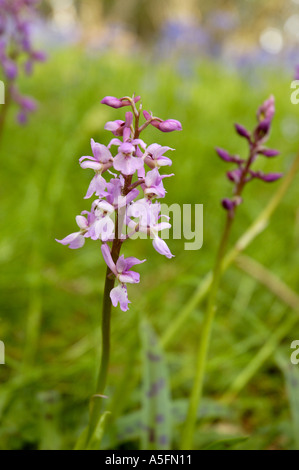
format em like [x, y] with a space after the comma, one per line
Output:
[51, 296]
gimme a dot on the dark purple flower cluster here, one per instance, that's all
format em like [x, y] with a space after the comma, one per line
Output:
[243, 173]
[16, 46]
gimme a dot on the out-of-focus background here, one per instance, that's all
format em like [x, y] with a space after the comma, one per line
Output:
[207, 64]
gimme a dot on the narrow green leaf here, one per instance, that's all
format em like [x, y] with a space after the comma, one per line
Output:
[226, 444]
[96, 439]
[156, 401]
[80, 444]
[291, 374]
[129, 426]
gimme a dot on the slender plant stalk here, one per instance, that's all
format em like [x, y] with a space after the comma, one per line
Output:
[97, 398]
[196, 394]
[205, 287]
[106, 318]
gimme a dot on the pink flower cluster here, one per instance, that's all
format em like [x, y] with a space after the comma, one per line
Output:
[15, 45]
[119, 205]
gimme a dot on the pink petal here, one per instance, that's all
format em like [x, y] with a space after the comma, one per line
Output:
[153, 148]
[126, 133]
[152, 177]
[120, 295]
[161, 247]
[114, 142]
[139, 142]
[129, 118]
[108, 258]
[97, 185]
[100, 152]
[96, 166]
[162, 226]
[131, 261]
[74, 240]
[81, 222]
[121, 264]
[112, 125]
[159, 152]
[164, 161]
[88, 157]
[104, 228]
[130, 277]
[127, 164]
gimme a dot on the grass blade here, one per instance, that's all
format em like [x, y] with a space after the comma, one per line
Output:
[156, 404]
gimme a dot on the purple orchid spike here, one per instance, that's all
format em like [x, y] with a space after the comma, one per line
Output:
[117, 214]
[16, 46]
[243, 174]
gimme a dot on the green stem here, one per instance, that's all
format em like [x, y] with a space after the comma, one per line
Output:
[106, 317]
[203, 349]
[96, 400]
[196, 394]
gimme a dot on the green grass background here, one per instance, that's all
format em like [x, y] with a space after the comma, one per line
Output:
[50, 300]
